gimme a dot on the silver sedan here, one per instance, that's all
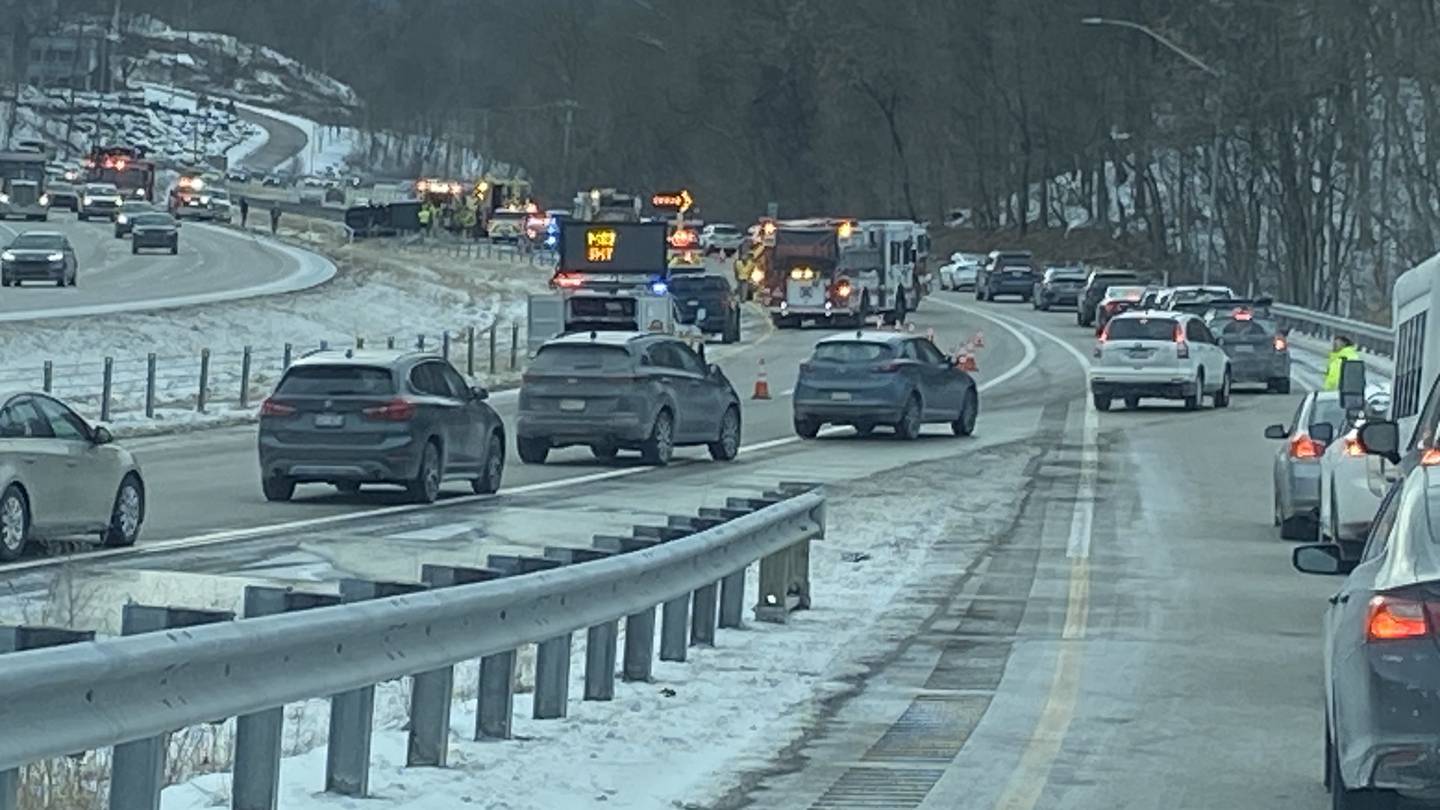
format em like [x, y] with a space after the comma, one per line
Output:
[1296, 471]
[61, 477]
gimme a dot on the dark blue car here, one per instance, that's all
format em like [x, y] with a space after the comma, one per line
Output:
[867, 379]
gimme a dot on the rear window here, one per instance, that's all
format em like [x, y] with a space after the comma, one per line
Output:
[1201, 296]
[149, 220]
[1141, 329]
[1128, 293]
[560, 359]
[728, 230]
[853, 351]
[1251, 328]
[100, 188]
[336, 381]
[682, 285]
[1328, 411]
[1105, 279]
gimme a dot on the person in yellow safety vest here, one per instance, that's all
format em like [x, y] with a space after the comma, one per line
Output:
[425, 217]
[1341, 350]
[467, 220]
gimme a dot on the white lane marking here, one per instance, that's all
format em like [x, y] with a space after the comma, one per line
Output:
[231, 535]
[444, 531]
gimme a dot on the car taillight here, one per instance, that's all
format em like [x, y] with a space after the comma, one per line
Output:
[887, 368]
[272, 408]
[1302, 446]
[1392, 618]
[1280, 344]
[396, 410]
[1353, 447]
[1430, 458]
[1182, 349]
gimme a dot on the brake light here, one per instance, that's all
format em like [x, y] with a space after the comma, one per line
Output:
[569, 280]
[1430, 457]
[887, 368]
[1353, 448]
[1302, 446]
[396, 410]
[1280, 344]
[1243, 315]
[1182, 349]
[272, 408]
[1392, 619]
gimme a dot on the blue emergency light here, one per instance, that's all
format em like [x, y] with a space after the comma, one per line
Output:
[659, 287]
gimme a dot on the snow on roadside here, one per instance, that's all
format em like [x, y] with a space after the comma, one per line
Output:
[731, 706]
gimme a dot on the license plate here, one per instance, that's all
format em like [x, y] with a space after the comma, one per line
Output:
[329, 420]
[572, 404]
[1018, 274]
[694, 303]
[840, 396]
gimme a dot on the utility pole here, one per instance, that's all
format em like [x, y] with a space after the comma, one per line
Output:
[565, 149]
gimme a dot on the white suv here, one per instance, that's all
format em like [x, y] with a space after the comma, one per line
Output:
[721, 238]
[1160, 355]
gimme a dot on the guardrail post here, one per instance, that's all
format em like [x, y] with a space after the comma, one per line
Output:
[359, 342]
[106, 379]
[420, 342]
[352, 714]
[258, 736]
[204, 380]
[285, 362]
[445, 344]
[552, 677]
[390, 342]
[732, 600]
[138, 768]
[430, 692]
[674, 621]
[495, 705]
[702, 622]
[150, 386]
[601, 640]
[245, 359]
[514, 345]
[492, 348]
[48, 377]
[470, 350]
[19, 638]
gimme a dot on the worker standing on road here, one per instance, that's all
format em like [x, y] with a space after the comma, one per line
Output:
[424, 216]
[275, 219]
[244, 212]
[1342, 349]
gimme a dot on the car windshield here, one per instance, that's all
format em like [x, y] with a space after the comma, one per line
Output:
[337, 381]
[153, 220]
[566, 357]
[38, 241]
[100, 188]
[728, 230]
[1126, 293]
[219, 195]
[1141, 329]
[1202, 295]
[853, 351]
[1066, 275]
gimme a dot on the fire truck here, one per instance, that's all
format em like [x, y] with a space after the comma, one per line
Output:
[822, 269]
[123, 166]
[22, 186]
[190, 197]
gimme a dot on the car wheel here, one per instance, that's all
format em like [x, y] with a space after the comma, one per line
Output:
[14, 523]
[658, 449]
[1102, 402]
[964, 425]
[900, 310]
[1279, 385]
[1132, 403]
[864, 314]
[1275, 507]
[126, 515]
[60, 282]
[1222, 396]
[278, 488]
[863, 429]
[425, 487]
[727, 447]
[135, 249]
[806, 428]
[174, 249]
[908, 427]
[489, 481]
[1192, 401]
[532, 451]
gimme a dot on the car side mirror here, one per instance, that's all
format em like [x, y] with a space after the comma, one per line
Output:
[1381, 439]
[1277, 432]
[1219, 340]
[1352, 386]
[102, 435]
[714, 371]
[1322, 432]
[479, 393]
[1325, 559]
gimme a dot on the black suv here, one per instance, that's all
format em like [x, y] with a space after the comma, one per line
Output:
[1095, 287]
[1059, 287]
[1006, 272]
[355, 417]
[710, 296]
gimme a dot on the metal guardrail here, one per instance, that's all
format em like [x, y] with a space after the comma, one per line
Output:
[1369, 337]
[182, 668]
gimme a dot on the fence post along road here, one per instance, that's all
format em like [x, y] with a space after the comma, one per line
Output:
[66, 693]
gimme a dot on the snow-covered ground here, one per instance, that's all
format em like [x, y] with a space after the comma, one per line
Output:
[379, 294]
[678, 741]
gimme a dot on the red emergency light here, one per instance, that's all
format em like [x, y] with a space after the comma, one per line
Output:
[683, 238]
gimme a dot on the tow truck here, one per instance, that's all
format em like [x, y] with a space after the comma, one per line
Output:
[611, 276]
[22, 186]
[123, 166]
[821, 269]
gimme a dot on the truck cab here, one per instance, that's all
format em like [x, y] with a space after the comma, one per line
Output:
[22, 186]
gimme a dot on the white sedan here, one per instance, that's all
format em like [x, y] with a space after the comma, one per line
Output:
[1353, 483]
[958, 275]
[61, 477]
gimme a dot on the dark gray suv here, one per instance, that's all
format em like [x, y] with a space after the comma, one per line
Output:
[355, 417]
[625, 391]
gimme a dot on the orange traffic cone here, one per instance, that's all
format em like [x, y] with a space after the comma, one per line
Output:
[967, 363]
[762, 385]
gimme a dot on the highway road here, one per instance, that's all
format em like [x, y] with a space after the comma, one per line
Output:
[284, 141]
[214, 264]
[1135, 638]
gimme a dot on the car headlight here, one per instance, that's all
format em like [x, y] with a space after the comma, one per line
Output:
[7, 256]
[45, 199]
[120, 201]
[4, 198]
[204, 200]
[140, 192]
[88, 200]
[122, 219]
[55, 257]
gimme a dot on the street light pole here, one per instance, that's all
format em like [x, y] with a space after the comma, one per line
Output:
[1214, 147]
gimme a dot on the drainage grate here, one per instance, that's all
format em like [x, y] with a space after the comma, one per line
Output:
[933, 728]
[881, 788]
[976, 665]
